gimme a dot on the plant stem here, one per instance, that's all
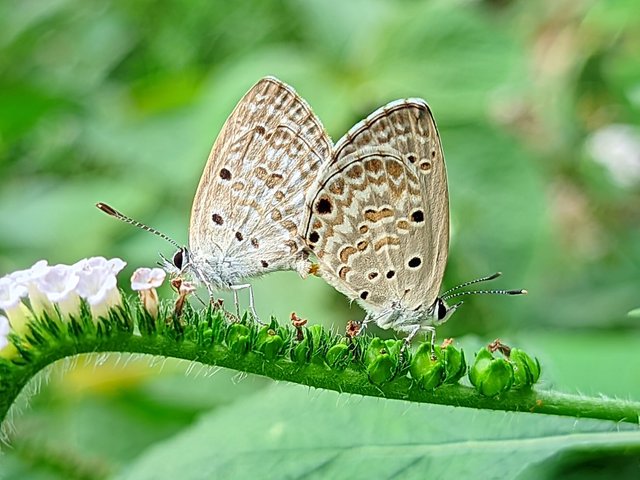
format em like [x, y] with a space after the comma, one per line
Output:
[13, 378]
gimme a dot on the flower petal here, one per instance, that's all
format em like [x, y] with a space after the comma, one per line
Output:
[58, 282]
[147, 278]
[114, 265]
[11, 293]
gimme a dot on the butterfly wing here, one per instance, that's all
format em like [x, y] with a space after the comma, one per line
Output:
[378, 218]
[248, 207]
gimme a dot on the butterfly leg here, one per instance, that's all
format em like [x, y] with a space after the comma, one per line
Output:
[236, 302]
[365, 321]
[211, 292]
[432, 340]
[413, 331]
[252, 305]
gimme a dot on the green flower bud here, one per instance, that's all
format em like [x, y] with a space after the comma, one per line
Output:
[455, 364]
[269, 342]
[526, 370]
[383, 359]
[318, 341]
[338, 356]
[481, 363]
[207, 333]
[301, 353]
[238, 338]
[426, 369]
[381, 369]
[375, 346]
[309, 349]
[391, 347]
[394, 347]
[490, 375]
[316, 331]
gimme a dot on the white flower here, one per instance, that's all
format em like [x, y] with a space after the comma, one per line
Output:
[24, 277]
[59, 285]
[98, 285]
[114, 265]
[91, 278]
[146, 278]
[27, 279]
[58, 282]
[5, 328]
[11, 294]
[145, 281]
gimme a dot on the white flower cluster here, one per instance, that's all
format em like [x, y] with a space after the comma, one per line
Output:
[51, 287]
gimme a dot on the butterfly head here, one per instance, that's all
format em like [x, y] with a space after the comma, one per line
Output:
[179, 263]
[440, 312]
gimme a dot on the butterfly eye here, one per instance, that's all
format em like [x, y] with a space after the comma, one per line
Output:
[177, 259]
[442, 310]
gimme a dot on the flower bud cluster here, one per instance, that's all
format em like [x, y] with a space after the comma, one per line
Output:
[312, 346]
[384, 359]
[492, 375]
[446, 364]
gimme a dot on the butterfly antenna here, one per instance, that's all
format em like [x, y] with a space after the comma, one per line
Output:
[485, 292]
[477, 280]
[114, 213]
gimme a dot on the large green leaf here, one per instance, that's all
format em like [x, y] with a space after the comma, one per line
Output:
[293, 432]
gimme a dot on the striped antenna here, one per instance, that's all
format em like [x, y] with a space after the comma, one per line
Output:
[485, 292]
[466, 284]
[120, 216]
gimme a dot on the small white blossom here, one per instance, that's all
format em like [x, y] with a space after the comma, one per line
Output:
[146, 278]
[27, 279]
[24, 277]
[98, 285]
[114, 265]
[11, 294]
[5, 328]
[145, 281]
[59, 285]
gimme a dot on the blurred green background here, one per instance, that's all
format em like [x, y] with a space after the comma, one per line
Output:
[538, 106]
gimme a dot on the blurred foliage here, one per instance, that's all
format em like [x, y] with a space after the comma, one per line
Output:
[120, 102]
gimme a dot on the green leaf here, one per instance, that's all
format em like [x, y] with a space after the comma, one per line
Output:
[290, 432]
[635, 313]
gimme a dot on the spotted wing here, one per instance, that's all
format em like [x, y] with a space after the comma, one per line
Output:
[249, 203]
[378, 219]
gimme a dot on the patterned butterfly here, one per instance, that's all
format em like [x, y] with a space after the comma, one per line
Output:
[248, 207]
[378, 219]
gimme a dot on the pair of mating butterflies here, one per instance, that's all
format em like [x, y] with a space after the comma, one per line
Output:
[373, 208]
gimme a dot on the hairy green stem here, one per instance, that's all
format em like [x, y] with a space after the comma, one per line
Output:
[349, 380]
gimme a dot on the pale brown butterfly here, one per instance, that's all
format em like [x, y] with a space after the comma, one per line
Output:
[248, 207]
[378, 219]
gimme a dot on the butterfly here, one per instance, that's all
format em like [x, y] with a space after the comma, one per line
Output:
[248, 207]
[377, 219]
